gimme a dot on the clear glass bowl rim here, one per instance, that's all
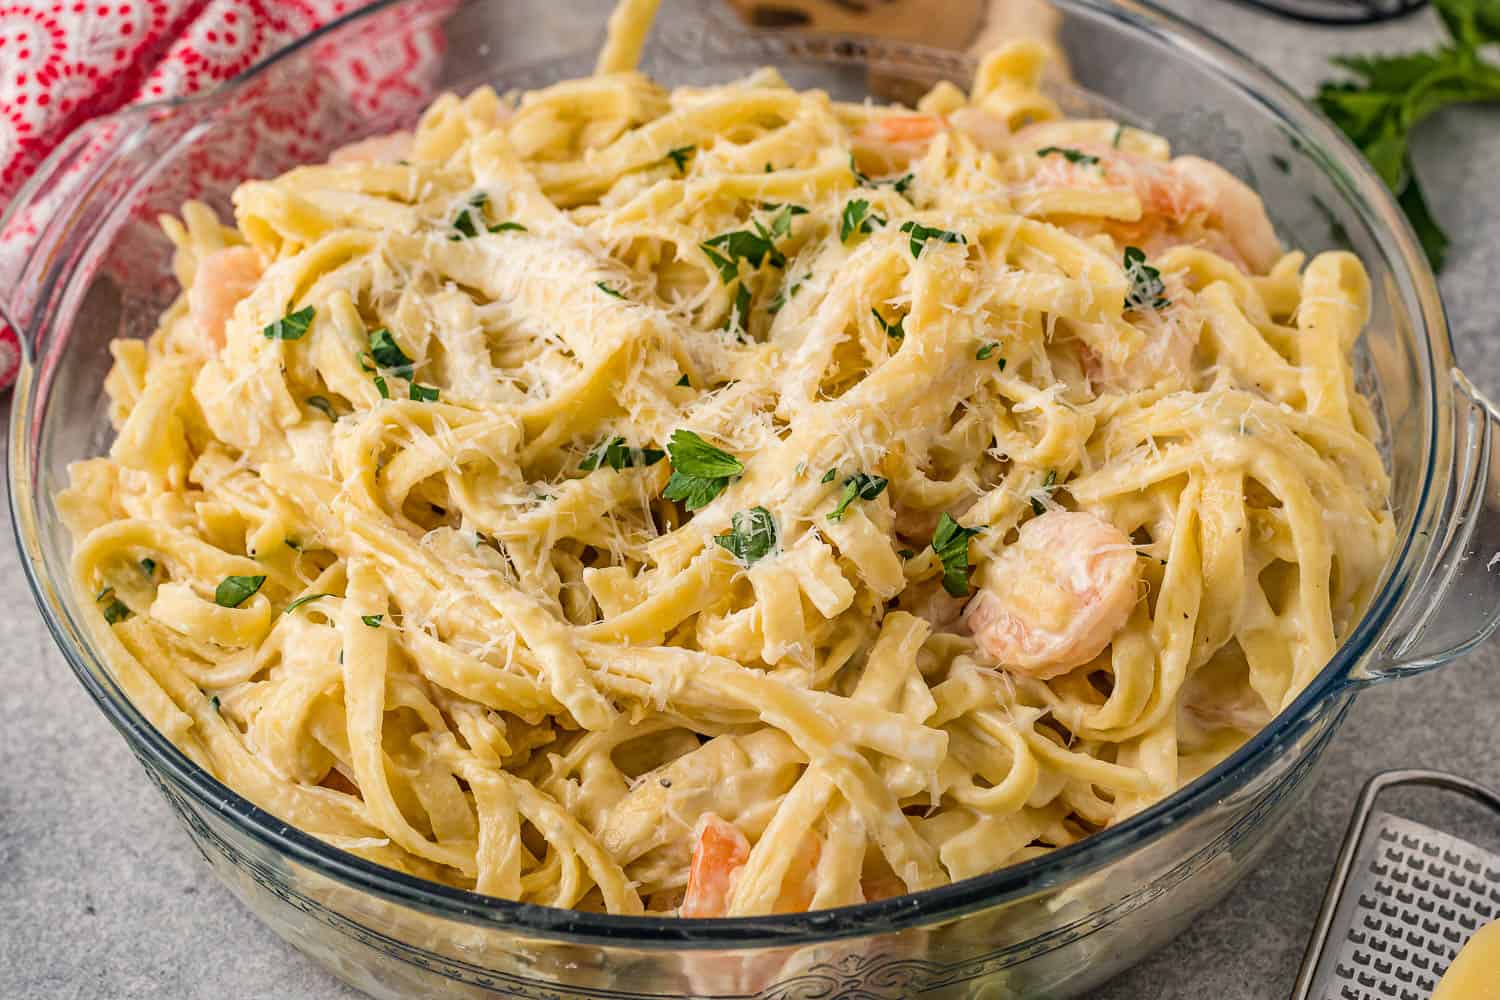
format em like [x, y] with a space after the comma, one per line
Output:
[1364, 192]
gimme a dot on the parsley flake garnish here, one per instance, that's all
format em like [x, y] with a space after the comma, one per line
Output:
[292, 326]
[739, 314]
[424, 393]
[785, 293]
[986, 351]
[858, 487]
[382, 388]
[116, 610]
[373, 621]
[604, 287]
[1037, 507]
[470, 220]
[1071, 155]
[896, 330]
[901, 184]
[322, 405]
[920, 234]
[680, 156]
[1146, 288]
[755, 245]
[148, 566]
[829, 476]
[614, 453]
[388, 354]
[684, 381]
[236, 590]
[213, 701]
[857, 220]
[700, 472]
[752, 537]
[505, 227]
[301, 601]
[951, 543]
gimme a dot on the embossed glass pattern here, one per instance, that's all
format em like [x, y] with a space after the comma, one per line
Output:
[1053, 926]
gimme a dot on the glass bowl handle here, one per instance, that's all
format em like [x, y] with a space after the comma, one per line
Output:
[1454, 595]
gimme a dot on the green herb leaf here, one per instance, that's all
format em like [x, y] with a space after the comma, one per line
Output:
[920, 234]
[292, 326]
[1119, 134]
[829, 476]
[1146, 288]
[858, 487]
[470, 220]
[901, 183]
[213, 701]
[753, 535]
[1071, 155]
[115, 611]
[321, 404]
[785, 293]
[424, 393]
[292, 544]
[985, 352]
[148, 566]
[236, 590]
[781, 222]
[700, 472]
[951, 543]
[506, 227]
[1037, 507]
[301, 601]
[684, 381]
[727, 249]
[857, 220]
[739, 314]
[607, 290]
[388, 354]
[614, 453]
[1002, 364]
[373, 621]
[680, 156]
[896, 330]
[382, 388]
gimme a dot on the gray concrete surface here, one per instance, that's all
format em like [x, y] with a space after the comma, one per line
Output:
[102, 896]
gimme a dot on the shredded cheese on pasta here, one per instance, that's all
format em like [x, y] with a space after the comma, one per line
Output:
[730, 500]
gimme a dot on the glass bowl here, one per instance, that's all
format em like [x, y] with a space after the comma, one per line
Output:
[1053, 926]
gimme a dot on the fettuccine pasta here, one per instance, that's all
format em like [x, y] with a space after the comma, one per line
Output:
[729, 500]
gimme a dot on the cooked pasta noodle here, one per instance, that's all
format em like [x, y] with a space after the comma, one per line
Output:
[730, 500]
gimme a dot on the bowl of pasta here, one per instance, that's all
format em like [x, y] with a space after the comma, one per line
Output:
[721, 512]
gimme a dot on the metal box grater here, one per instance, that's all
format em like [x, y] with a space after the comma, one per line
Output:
[1403, 900]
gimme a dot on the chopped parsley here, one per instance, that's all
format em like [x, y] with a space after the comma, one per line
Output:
[1071, 155]
[236, 590]
[388, 354]
[684, 381]
[896, 330]
[700, 472]
[321, 404]
[920, 234]
[752, 537]
[470, 220]
[951, 543]
[680, 156]
[739, 314]
[424, 393]
[829, 476]
[116, 610]
[1146, 288]
[148, 566]
[381, 387]
[213, 701]
[604, 287]
[755, 245]
[508, 227]
[301, 601]
[614, 453]
[786, 292]
[1037, 507]
[1002, 364]
[858, 487]
[857, 220]
[901, 184]
[373, 621]
[292, 326]
[985, 352]
[292, 544]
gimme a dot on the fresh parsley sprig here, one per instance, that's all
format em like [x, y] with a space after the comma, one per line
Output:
[1147, 291]
[857, 220]
[752, 536]
[700, 472]
[859, 486]
[951, 543]
[614, 453]
[1389, 95]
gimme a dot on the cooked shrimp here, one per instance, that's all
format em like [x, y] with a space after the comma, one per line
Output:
[1185, 201]
[1056, 597]
[386, 148]
[223, 278]
[886, 145]
[720, 851]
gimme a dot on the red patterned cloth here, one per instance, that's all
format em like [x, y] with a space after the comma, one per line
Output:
[63, 62]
